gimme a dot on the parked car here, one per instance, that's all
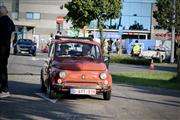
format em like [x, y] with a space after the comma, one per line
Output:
[44, 49]
[25, 45]
[155, 54]
[76, 66]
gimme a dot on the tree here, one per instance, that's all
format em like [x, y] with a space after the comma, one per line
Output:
[82, 12]
[136, 26]
[168, 17]
[164, 14]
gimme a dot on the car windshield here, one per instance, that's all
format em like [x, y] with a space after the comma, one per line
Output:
[25, 41]
[77, 49]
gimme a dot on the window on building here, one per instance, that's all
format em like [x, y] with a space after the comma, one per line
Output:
[33, 16]
[1, 2]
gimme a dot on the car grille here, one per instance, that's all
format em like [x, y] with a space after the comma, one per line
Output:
[82, 82]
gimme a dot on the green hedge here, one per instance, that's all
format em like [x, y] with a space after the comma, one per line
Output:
[125, 59]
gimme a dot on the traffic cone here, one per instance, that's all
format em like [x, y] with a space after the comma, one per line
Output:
[151, 67]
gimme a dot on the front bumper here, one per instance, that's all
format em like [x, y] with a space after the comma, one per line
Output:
[60, 86]
[66, 88]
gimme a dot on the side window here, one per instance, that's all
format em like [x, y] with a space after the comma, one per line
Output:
[63, 49]
[96, 51]
[93, 51]
[33, 15]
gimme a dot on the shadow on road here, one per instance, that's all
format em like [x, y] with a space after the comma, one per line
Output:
[24, 104]
[148, 101]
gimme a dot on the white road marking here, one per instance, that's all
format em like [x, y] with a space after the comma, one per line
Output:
[36, 59]
[42, 95]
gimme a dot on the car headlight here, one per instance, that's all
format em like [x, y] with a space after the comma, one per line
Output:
[62, 74]
[103, 76]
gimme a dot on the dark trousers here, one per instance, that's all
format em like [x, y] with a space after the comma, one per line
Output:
[4, 55]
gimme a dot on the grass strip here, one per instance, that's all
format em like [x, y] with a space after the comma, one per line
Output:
[150, 79]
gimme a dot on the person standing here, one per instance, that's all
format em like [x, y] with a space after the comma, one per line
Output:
[136, 50]
[110, 41]
[118, 46]
[6, 29]
[58, 34]
[50, 39]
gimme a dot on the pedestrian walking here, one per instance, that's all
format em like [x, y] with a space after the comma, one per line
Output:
[6, 29]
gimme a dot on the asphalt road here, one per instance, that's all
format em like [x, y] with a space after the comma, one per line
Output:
[127, 103]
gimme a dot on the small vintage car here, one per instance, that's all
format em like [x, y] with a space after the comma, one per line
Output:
[75, 66]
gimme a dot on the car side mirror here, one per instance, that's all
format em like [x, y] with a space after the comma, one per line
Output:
[106, 61]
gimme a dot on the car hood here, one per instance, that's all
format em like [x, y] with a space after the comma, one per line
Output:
[79, 65]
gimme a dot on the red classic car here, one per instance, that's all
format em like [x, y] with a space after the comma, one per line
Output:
[76, 66]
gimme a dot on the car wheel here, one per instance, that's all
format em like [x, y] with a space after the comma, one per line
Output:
[43, 87]
[34, 54]
[107, 95]
[15, 52]
[51, 92]
[59, 95]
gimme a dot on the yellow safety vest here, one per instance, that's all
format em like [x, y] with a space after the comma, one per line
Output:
[136, 49]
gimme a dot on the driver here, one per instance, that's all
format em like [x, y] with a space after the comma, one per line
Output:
[64, 49]
[86, 50]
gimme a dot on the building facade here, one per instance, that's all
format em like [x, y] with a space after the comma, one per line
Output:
[134, 13]
[36, 19]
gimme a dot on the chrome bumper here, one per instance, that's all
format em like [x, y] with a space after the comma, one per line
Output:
[60, 86]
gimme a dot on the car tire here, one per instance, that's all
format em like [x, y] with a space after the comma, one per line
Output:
[15, 52]
[107, 95]
[59, 95]
[51, 93]
[43, 87]
[34, 54]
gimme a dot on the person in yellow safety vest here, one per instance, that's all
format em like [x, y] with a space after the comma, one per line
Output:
[136, 49]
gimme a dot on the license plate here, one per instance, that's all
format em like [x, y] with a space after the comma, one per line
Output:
[83, 91]
[24, 52]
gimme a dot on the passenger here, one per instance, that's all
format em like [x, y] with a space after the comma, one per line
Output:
[86, 50]
[64, 49]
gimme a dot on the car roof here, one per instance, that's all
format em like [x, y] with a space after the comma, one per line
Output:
[60, 41]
